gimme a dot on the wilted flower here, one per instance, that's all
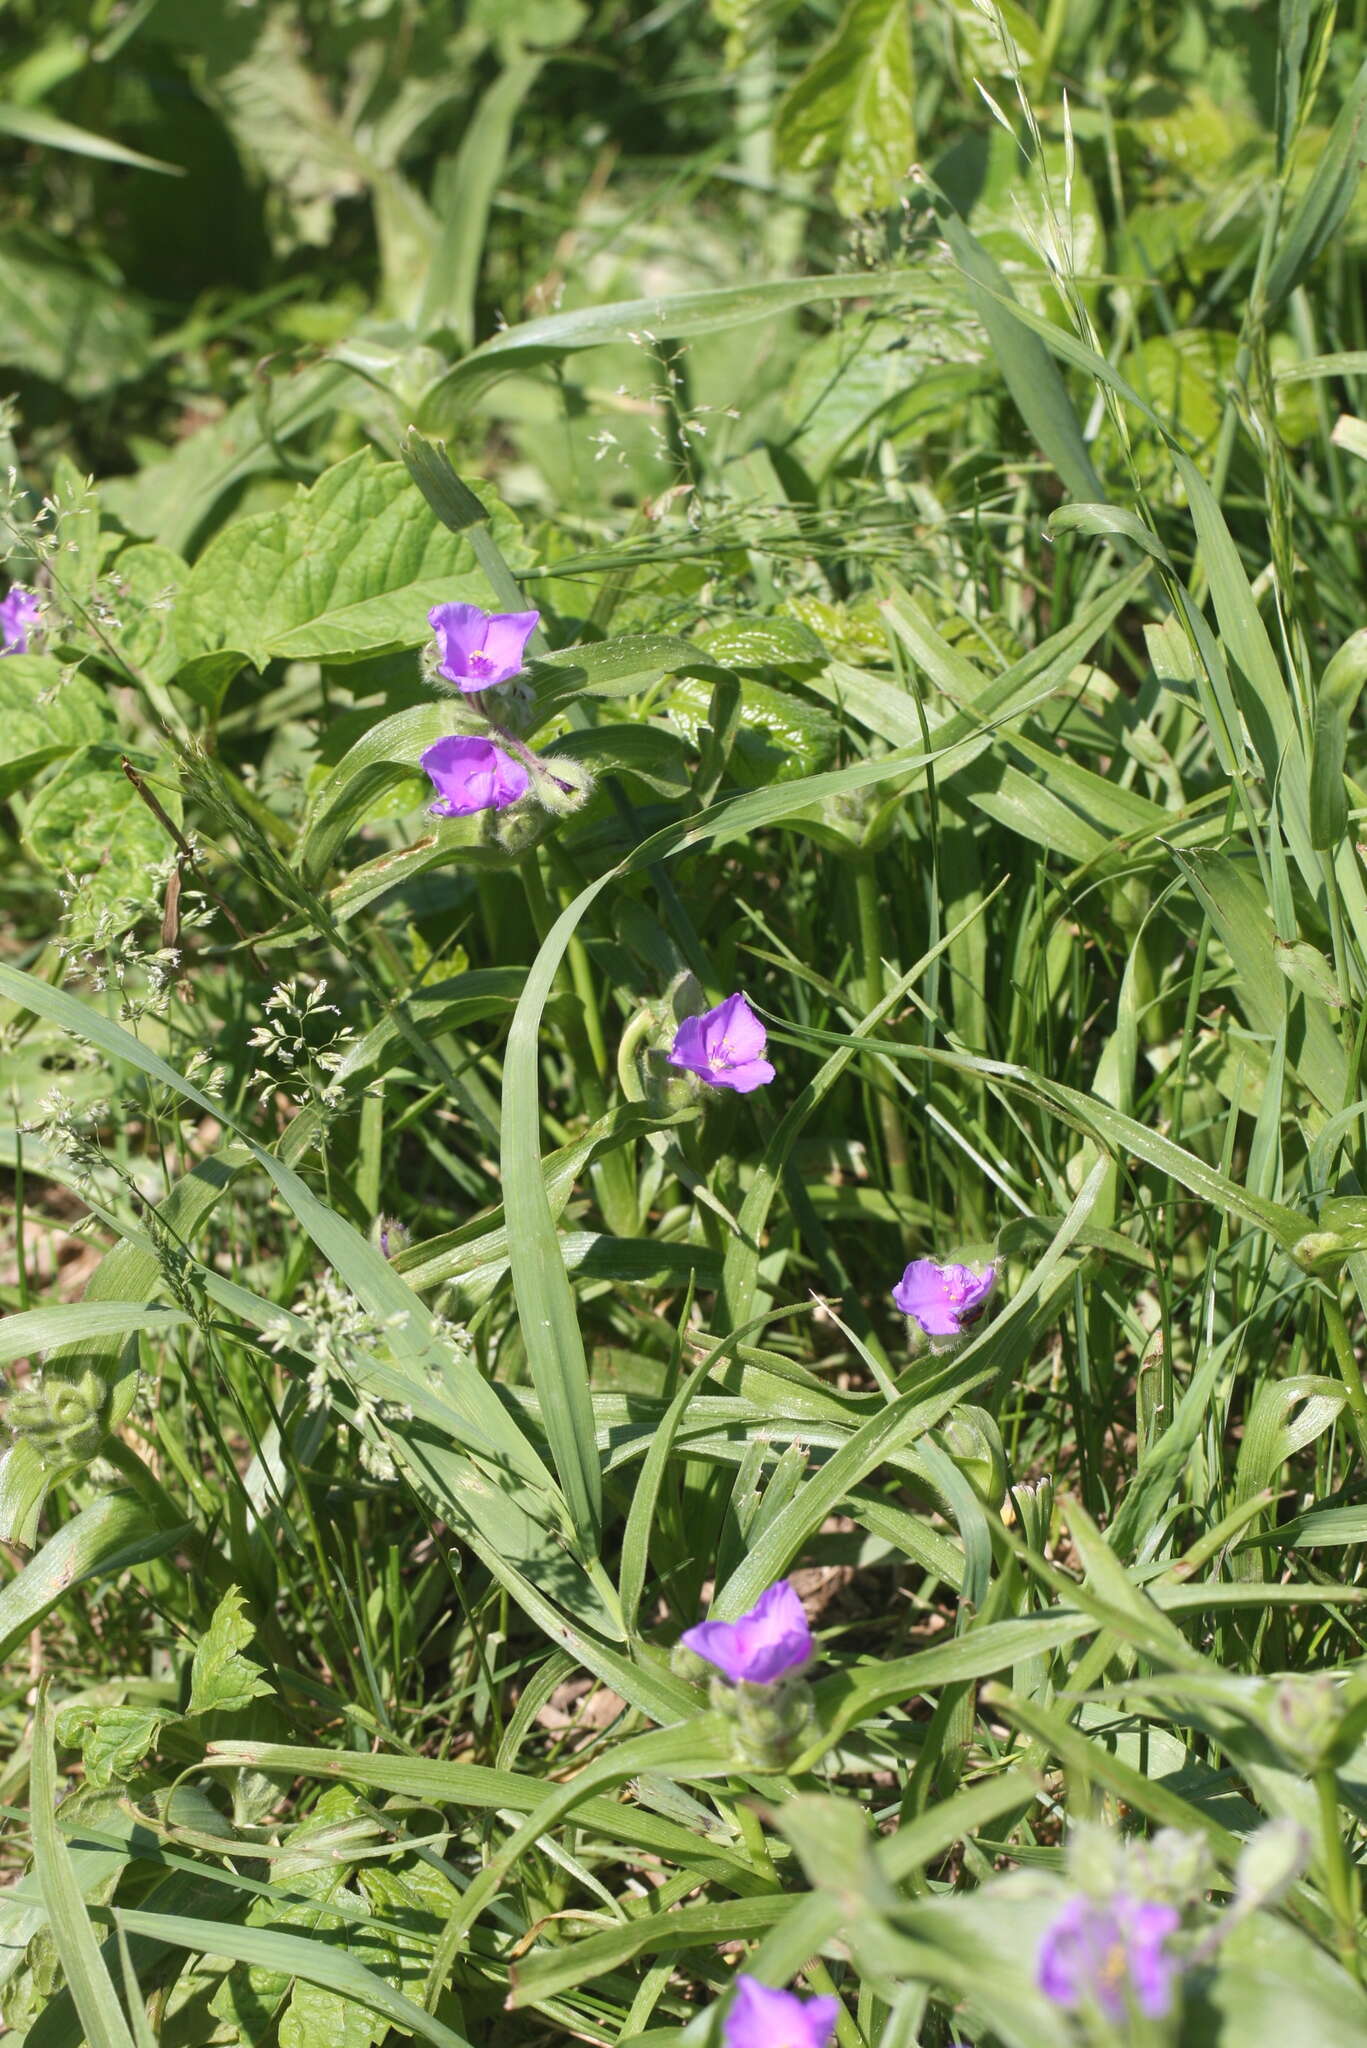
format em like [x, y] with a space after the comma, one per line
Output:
[19, 613]
[761, 2018]
[1111, 1954]
[471, 774]
[479, 648]
[943, 1299]
[724, 1047]
[773, 1638]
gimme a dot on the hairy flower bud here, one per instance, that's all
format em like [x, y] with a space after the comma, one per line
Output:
[771, 1721]
[560, 785]
[1321, 1251]
[1303, 1717]
[63, 1418]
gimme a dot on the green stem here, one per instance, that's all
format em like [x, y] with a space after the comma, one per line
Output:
[752, 1834]
[870, 914]
[1341, 1878]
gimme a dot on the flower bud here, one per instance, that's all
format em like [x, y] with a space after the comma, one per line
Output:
[391, 1236]
[770, 1721]
[1303, 1718]
[1271, 1861]
[516, 831]
[688, 1665]
[1321, 1251]
[560, 785]
[63, 1419]
[667, 1089]
[973, 1440]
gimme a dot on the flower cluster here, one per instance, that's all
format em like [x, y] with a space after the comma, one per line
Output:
[477, 650]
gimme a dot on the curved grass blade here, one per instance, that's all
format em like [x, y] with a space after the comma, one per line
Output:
[108, 1536]
[40, 1329]
[73, 1937]
[35, 124]
[677, 318]
[292, 1955]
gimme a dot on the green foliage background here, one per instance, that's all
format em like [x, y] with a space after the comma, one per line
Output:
[931, 435]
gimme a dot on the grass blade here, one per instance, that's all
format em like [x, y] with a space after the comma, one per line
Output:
[72, 1934]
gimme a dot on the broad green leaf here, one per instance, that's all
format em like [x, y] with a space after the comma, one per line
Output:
[45, 713]
[346, 568]
[147, 580]
[277, 106]
[113, 1740]
[854, 107]
[89, 821]
[222, 1678]
[316, 2018]
[648, 755]
[311, 1869]
[895, 377]
[782, 738]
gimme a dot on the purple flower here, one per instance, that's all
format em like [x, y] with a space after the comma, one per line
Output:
[1111, 1953]
[943, 1299]
[18, 614]
[479, 648]
[771, 1639]
[725, 1047]
[761, 2018]
[471, 774]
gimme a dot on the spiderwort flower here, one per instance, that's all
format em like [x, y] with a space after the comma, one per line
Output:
[943, 1299]
[725, 1047]
[479, 648]
[761, 2018]
[471, 774]
[769, 1641]
[18, 615]
[1111, 1954]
